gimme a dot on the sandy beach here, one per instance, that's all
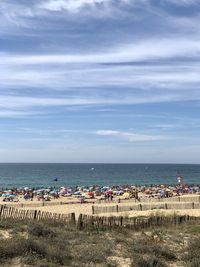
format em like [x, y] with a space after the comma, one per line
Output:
[87, 209]
[65, 205]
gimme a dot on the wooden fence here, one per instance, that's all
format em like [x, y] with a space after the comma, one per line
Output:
[144, 206]
[21, 214]
[111, 223]
[188, 198]
[42, 204]
[96, 222]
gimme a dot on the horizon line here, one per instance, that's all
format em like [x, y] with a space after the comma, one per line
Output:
[122, 163]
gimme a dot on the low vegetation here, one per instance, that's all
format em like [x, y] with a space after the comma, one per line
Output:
[53, 244]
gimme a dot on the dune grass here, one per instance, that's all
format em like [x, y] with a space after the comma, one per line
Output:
[53, 244]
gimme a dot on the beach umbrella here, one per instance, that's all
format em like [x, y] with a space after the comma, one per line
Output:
[78, 193]
[8, 195]
[133, 187]
[120, 192]
[126, 195]
[162, 192]
[52, 192]
[147, 191]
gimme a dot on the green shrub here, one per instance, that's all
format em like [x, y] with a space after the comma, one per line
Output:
[34, 248]
[150, 261]
[88, 253]
[195, 262]
[40, 230]
[194, 229]
[57, 255]
[194, 247]
[145, 246]
[192, 257]
[15, 224]
[10, 248]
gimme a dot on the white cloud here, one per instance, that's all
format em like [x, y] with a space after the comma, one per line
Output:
[183, 2]
[70, 5]
[144, 50]
[67, 71]
[76, 5]
[19, 102]
[130, 136]
[12, 114]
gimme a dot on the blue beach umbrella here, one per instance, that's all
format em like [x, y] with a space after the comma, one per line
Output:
[77, 193]
[8, 195]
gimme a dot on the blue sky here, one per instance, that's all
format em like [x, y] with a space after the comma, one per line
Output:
[100, 81]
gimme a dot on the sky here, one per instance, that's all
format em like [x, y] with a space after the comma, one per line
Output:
[113, 81]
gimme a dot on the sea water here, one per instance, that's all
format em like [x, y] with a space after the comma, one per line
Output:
[47, 174]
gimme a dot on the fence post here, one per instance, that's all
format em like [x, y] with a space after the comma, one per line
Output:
[80, 222]
[117, 208]
[1, 210]
[192, 205]
[140, 206]
[35, 215]
[120, 201]
[73, 218]
[92, 209]
[166, 206]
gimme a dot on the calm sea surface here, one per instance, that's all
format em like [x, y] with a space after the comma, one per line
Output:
[12, 174]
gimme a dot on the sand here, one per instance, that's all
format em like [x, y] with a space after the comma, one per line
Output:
[86, 208]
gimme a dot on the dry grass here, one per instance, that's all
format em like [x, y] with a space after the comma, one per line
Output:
[52, 244]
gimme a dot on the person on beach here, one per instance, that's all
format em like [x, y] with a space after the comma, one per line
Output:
[82, 199]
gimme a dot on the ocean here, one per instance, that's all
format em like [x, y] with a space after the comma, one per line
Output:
[44, 174]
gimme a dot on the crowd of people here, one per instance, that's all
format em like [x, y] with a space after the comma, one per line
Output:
[97, 191]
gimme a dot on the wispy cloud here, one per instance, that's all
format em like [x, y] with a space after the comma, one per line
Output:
[24, 101]
[157, 49]
[66, 77]
[182, 2]
[17, 114]
[130, 136]
[71, 5]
